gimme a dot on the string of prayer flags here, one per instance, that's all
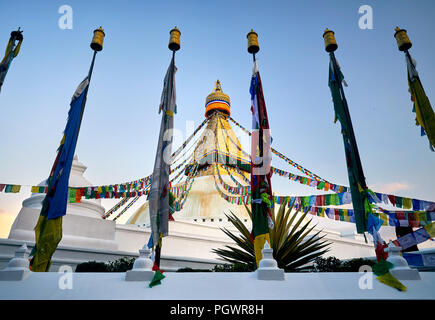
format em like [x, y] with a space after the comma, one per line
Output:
[234, 190]
[185, 143]
[246, 199]
[12, 188]
[126, 208]
[238, 171]
[416, 259]
[416, 237]
[320, 185]
[115, 207]
[280, 155]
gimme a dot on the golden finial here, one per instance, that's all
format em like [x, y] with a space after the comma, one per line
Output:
[330, 42]
[217, 86]
[174, 39]
[217, 100]
[402, 39]
[252, 42]
[98, 39]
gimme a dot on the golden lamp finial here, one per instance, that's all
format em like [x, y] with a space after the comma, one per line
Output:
[217, 86]
[402, 39]
[253, 46]
[174, 39]
[330, 42]
[98, 39]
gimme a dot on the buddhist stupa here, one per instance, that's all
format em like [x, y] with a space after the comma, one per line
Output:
[218, 148]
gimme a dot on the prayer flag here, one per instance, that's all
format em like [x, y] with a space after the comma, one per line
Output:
[159, 191]
[12, 50]
[424, 114]
[357, 181]
[48, 230]
[261, 188]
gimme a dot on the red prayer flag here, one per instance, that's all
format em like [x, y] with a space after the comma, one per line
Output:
[392, 199]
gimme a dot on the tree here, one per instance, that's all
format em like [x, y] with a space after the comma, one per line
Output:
[293, 245]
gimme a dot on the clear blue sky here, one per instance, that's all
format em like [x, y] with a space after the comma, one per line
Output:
[119, 132]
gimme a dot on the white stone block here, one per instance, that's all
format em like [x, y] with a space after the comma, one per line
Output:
[270, 274]
[18, 267]
[139, 275]
[405, 274]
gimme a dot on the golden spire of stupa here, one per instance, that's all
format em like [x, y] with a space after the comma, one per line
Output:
[217, 100]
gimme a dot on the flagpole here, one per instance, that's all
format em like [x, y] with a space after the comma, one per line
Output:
[87, 88]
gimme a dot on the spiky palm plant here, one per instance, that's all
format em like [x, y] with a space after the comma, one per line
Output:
[293, 245]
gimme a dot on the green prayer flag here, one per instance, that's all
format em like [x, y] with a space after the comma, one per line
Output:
[72, 195]
[399, 202]
[425, 116]
[327, 199]
[358, 187]
[334, 199]
[305, 201]
[158, 277]
[382, 267]
[321, 185]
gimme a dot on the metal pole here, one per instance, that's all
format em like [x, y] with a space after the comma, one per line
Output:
[86, 93]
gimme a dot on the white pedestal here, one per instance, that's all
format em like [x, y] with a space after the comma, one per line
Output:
[268, 267]
[142, 267]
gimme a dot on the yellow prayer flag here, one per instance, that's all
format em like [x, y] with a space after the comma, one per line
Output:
[15, 188]
[259, 242]
[322, 212]
[430, 229]
[35, 189]
[391, 281]
[407, 203]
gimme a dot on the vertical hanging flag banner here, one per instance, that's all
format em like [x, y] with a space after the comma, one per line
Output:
[261, 188]
[12, 50]
[424, 114]
[357, 182]
[48, 231]
[159, 191]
